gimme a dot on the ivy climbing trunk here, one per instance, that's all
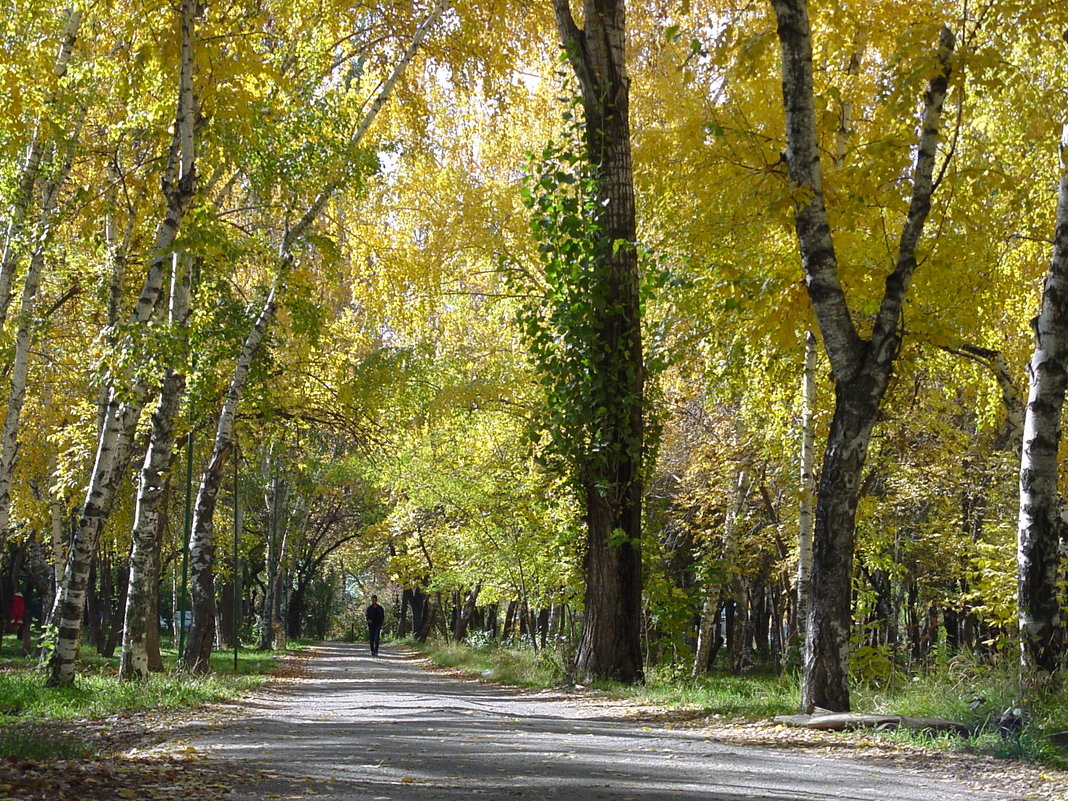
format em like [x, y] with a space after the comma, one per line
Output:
[1038, 557]
[610, 646]
[860, 367]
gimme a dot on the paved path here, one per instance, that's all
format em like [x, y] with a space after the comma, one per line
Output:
[386, 729]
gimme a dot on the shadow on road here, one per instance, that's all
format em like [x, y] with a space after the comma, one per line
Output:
[385, 728]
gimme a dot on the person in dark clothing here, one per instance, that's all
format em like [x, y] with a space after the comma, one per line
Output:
[375, 615]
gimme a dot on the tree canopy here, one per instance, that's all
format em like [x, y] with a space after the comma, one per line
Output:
[428, 349]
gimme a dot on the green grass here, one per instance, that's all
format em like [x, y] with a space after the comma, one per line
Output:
[757, 695]
[33, 717]
[975, 694]
[518, 667]
[751, 697]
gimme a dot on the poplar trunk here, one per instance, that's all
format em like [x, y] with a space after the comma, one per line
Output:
[610, 645]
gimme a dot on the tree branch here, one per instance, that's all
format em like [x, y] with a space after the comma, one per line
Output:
[884, 335]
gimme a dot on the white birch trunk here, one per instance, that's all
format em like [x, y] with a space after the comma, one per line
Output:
[117, 432]
[20, 365]
[730, 560]
[706, 631]
[806, 512]
[117, 253]
[272, 503]
[15, 235]
[202, 541]
[861, 368]
[134, 663]
[1038, 558]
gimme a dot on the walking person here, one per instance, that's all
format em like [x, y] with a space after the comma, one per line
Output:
[375, 615]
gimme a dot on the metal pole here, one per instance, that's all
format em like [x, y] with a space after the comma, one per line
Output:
[237, 575]
[188, 531]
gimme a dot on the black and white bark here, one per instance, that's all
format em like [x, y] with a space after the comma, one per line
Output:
[125, 403]
[17, 232]
[202, 540]
[807, 502]
[610, 646]
[197, 656]
[1038, 534]
[140, 612]
[860, 367]
[26, 322]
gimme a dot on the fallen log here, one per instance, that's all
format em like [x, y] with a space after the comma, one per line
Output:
[847, 721]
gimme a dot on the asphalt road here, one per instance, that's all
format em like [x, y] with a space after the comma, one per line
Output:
[386, 729]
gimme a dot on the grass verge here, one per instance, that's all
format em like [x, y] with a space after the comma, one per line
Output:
[517, 667]
[35, 719]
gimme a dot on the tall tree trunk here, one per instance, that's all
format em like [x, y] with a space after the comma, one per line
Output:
[807, 504]
[861, 368]
[463, 619]
[1038, 535]
[20, 366]
[270, 585]
[403, 624]
[426, 619]
[115, 619]
[202, 541]
[295, 613]
[144, 557]
[95, 601]
[116, 434]
[16, 237]
[737, 586]
[610, 646]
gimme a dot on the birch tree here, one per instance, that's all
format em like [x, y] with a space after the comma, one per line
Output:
[125, 403]
[56, 162]
[17, 234]
[861, 366]
[202, 540]
[808, 484]
[20, 363]
[148, 515]
[1038, 556]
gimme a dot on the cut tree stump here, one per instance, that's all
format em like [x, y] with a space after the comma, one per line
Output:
[847, 721]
